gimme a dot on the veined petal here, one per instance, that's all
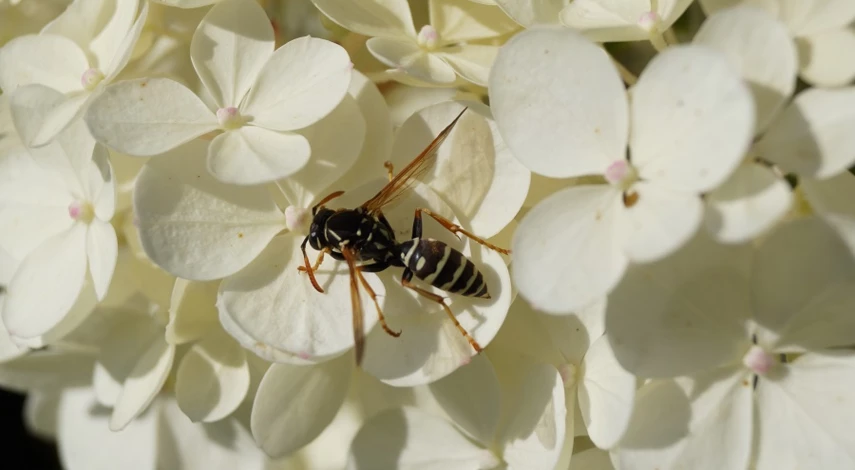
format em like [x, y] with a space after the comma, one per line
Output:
[533, 12]
[230, 47]
[760, 48]
[423, 435]
[371, 17]
[470, 396]
[212, 379]
[57, 266]
[749, 203]
[580, 223]
[102, 250]
[465, 21]
[303, 81]
[799, 424]
[148, 116]
[47, 59]
[692, 119]
[40, 114]
[811, 136]
[797, 311]
[196, 227]
[658, 223]
[192, 310]
[570, 127]
[404, 55]
[828, 59]
[684, 313]
[472, 61]
[253, 155]
[606, 395]
[607, 20]
[295, 403]
[144, 383]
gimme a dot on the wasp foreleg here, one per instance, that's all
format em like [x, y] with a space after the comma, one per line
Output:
[308, 268]
[318, 261]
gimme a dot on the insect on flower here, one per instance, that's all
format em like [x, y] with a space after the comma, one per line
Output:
[366, 241]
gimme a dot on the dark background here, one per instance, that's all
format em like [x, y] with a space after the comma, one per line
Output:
[20, 449]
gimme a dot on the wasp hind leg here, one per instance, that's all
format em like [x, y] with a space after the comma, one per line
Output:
[373, 296]
[406, 282]
[453, 228]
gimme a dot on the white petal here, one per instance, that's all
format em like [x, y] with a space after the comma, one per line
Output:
[303, 81]
[474, 171]
[213, 379]
[82, 20]
[708, 419]
[148, 116]
[749, 203]
[404, 101]
[102, 249]
[579, 223]
[814, 16]
[252, 155]
[570, 127]
[404, 55]
[684, 313]
[144, 383]
[50, 60]
[262, 352]
[465, 21]
[606, 395]
[192, 310]
[40, 114]
[692, 119]
[40, 413]
[811, 136]
[532, 12]
[470, 396]
[534, 433]
[802, 311]
[659, 222]
[118, 36]
[371, 17]
[195, 226]
[760, 48]
[229, 48]
[98, 180]
[121, 50]
[86, 442]
[472, 62]
[607, 20]
[57, 266]
[276, 305]
[830, 201]
[46, 370]
[828, 57]
[295, 403]
[804, 414]
[423, 442]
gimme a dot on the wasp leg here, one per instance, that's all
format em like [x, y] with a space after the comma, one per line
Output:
[318, 261]
[390, 169]
[405, 281]
[453, 228]
[373, 296]
[309, 268]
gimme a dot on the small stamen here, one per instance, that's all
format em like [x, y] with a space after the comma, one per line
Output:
[428, 37]
[229, 118]
[91, 78]
[758, 360]
[82, 211]
[298, 220]
[648, 21]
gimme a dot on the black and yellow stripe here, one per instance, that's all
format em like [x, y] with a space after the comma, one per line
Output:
[443, 267]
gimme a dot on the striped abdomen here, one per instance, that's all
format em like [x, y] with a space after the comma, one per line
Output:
[442, 266]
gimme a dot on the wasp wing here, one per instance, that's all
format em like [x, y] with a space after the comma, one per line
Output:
[396, 188]
[356, 306]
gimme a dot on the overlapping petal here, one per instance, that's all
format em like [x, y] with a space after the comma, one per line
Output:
[471, 397]
[533, 12]
[606, 395]
[465, 21]
[50, 60]
[143, 383]
[371, 17]
[254, 155]
[828, 57]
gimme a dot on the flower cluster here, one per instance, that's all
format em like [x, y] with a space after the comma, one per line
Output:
[672, 179]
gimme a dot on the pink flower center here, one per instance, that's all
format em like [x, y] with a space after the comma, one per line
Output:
[82, 211]
[298, 219]
[648, 21]
[428, 37]
[91, 78]
[758, 360]
[229, 118]
[621, 174]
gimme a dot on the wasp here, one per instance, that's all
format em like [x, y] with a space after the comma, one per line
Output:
[364, 239]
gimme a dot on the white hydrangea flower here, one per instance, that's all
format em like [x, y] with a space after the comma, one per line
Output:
[756, 331]
[823, 29]
[517, 421]
[56, 203]
[692, 120]
[52, 77]
[625, 20]
[263, 99]
[442, 50]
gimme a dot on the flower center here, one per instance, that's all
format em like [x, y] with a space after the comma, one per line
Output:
[91, 78]
[568, 374]
[621, 174]
[428, 37]
[649, 21]
[758, 360]
[230, 118]
[82, 211]
[298, 220]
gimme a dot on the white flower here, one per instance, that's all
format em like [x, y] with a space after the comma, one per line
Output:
[441, 50]
[729, 316]
[52, 77]
[691, 118]
[56, 203]
[626, 20]
[823, 30]
[263, 98]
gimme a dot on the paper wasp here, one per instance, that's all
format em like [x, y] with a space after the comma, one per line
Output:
[366, 241]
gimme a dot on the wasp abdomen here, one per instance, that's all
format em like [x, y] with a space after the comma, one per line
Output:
[443, 267]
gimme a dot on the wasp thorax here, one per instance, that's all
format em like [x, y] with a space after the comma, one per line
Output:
[82, 211]
[298, 219]
[230, 118]
[91, 78]
[428, 37]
